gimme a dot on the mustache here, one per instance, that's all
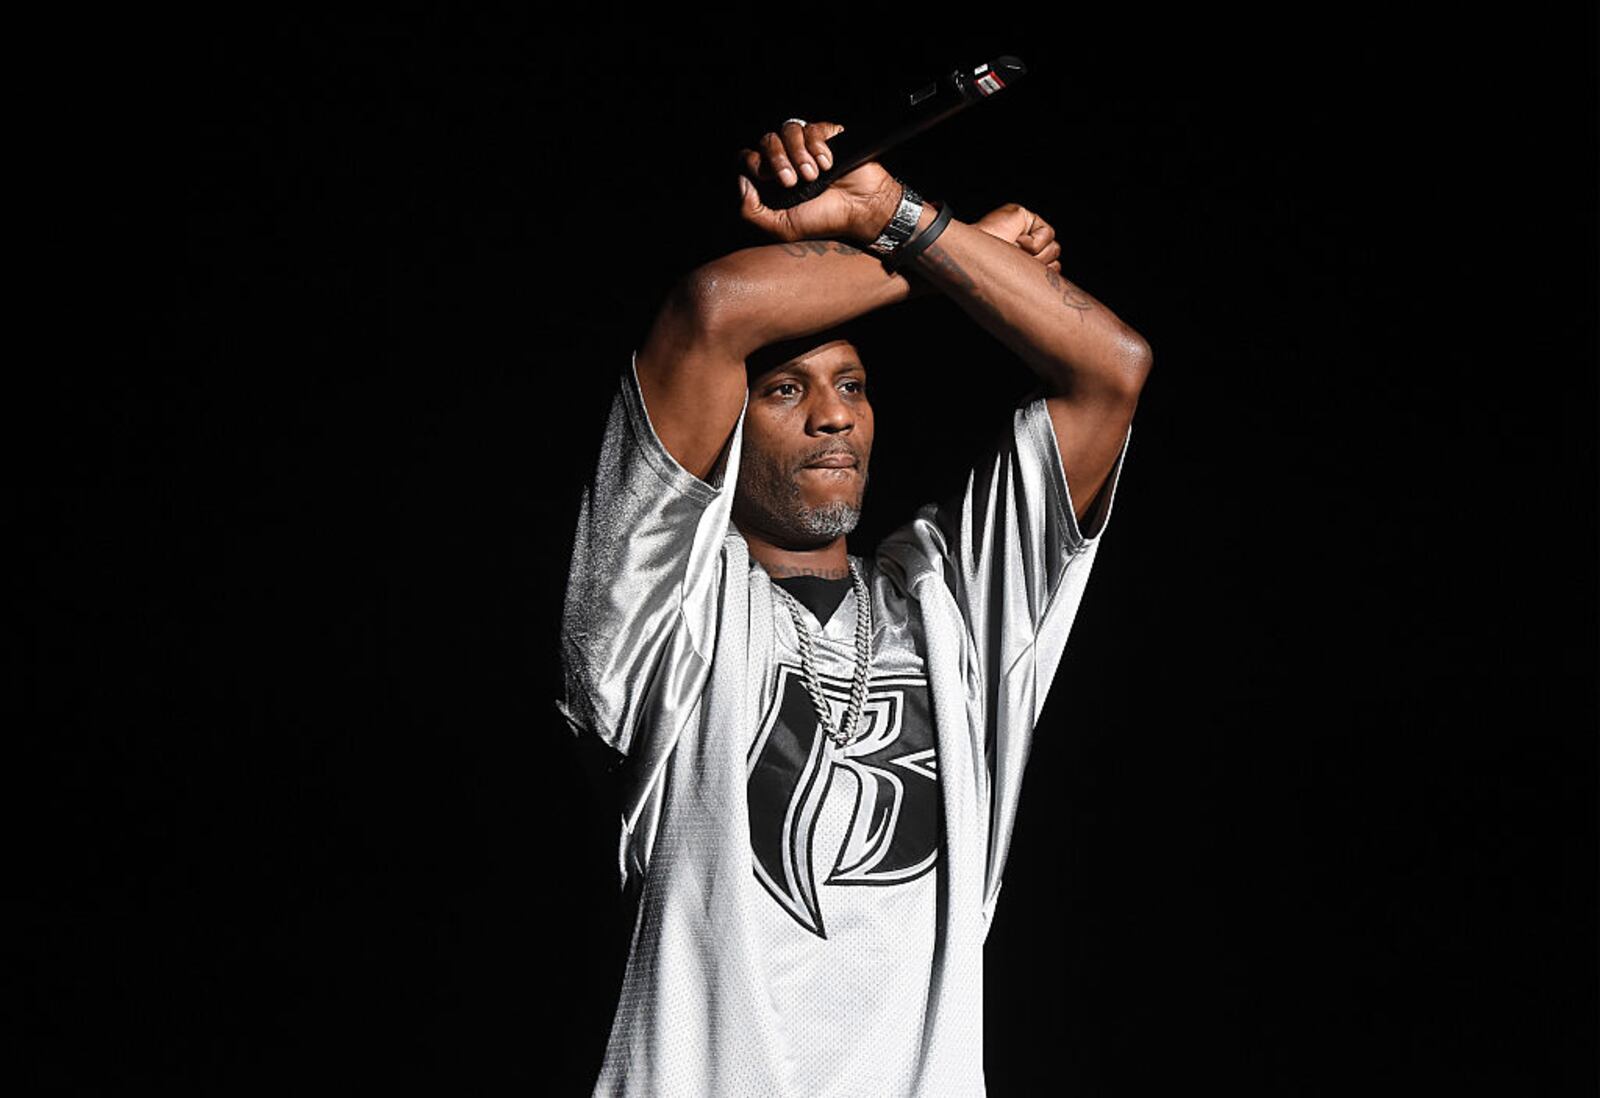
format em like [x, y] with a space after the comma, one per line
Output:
[832, 451]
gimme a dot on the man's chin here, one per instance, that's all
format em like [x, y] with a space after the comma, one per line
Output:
[820, 489]
[829, 521]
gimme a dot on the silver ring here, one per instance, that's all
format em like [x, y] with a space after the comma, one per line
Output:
[786, 121]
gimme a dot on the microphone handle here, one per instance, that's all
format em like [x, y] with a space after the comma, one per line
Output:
[854, 147]
[850, 150]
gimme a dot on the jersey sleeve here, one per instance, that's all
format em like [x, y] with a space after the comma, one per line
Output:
[640, 614]
[1010, 549]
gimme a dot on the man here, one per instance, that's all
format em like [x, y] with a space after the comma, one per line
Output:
[824, 751]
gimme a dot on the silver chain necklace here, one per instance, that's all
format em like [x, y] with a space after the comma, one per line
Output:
[850, 730]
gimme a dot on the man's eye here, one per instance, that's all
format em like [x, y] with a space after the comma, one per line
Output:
[785, 385]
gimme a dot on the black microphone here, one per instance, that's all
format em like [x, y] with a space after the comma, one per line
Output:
[920, 110]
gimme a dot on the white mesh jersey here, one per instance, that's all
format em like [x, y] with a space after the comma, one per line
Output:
[811, 919]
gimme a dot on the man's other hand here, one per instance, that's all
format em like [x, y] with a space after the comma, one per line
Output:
[1026, 229]
[855, 207]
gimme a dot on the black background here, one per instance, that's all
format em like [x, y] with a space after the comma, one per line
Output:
[1312, 806]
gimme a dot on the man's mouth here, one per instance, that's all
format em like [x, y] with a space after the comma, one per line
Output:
[834, 461]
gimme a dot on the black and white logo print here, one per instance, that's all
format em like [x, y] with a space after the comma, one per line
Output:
[893, 835]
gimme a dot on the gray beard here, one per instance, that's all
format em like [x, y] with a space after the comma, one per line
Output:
[828, 522]
[775, 507]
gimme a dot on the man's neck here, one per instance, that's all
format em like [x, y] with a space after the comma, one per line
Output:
[829, 561]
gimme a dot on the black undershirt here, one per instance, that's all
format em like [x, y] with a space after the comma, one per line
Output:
[820, 596]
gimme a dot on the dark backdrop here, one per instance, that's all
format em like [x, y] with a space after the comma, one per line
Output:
[1312, 806]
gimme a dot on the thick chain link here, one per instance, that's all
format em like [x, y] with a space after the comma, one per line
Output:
[850, 730]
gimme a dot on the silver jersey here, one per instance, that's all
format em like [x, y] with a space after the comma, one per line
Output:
[811, 918]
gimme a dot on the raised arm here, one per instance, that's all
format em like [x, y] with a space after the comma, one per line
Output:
[691, 365]
[1093, 366]
[1004, 271]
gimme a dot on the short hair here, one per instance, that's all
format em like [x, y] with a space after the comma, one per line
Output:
[768, 358]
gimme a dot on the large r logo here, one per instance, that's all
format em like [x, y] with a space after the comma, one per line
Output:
[894, 828]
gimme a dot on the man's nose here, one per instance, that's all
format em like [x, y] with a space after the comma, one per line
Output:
[830, 412]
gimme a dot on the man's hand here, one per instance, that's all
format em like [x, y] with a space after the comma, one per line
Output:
[1026, 229]
[855, 207]
[1022, 229]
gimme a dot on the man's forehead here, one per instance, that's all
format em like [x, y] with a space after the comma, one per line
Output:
[804, 356]
[838, 352]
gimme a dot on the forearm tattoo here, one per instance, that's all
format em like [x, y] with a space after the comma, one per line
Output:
[801, 249]
[951, 272]
[948, 270]
[945, 263]
[1071, 296]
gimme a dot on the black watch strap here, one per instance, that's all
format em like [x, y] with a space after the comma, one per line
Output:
[919, 244]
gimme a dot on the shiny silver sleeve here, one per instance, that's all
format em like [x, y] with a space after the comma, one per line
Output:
[1011, 550]
[639, 619]
[1006, 554]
